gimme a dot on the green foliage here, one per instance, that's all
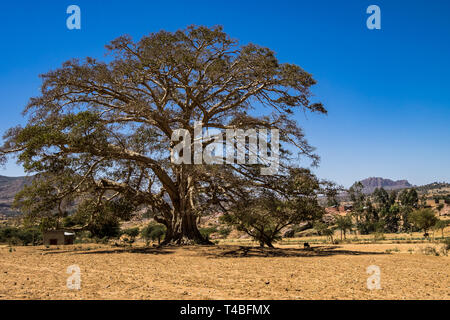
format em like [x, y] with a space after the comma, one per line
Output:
[439, 207]
[206, 232]
[153, 232]
[409, 197]
[99, 220]
[224, 232]
[391, 217]
[263, 214]
[378, 236]
[423, 219]
[441, 225]
[324, 230]
[132, 232]
[344, 223]
[104, 226]
[101, 130]
[383, 211]
[430, 251]
[446, 242]
[23, 236]
[368, 227]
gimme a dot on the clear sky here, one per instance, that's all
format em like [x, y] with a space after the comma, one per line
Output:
[387, 91]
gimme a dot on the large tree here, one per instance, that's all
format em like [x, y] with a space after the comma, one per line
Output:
[100, 132]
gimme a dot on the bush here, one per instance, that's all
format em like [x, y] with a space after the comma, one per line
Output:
[103, 240]
[107, 226]
[225, 232]
[132, 232]
[446, 243]
[378, 236]
[430, 251]
[129, 235]
[153, 232]
[24, 236]
[206, 232]
[30, 236]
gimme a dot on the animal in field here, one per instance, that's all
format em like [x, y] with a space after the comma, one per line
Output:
[306, 245]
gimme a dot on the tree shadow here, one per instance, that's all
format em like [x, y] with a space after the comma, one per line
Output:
[316, 251]
[113, 250]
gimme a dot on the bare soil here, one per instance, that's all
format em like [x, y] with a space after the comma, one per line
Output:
[224, 272]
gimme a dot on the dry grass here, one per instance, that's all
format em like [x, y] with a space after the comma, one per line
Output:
[224, 272]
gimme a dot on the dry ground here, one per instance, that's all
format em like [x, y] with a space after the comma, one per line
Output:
[224, 272]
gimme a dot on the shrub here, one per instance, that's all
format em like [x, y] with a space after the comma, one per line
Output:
[107, 226]
[225, 232]
[206, 232]
[446, 243]
[129, 235]
[430, 251]
[132, 232]
[153, 232]
[378, 236]
[158, 233]
[24, 236]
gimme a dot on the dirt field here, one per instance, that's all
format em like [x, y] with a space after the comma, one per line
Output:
[224, 272]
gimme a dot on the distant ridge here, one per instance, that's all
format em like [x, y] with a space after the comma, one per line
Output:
[370, 184]
[9, 186]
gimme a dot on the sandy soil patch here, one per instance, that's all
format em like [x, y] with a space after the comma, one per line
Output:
[224, 272]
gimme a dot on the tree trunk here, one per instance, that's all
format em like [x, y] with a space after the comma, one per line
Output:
[184, 231]
[182, 228]
[269, 244]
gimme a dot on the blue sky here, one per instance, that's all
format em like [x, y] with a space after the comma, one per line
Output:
[387, 91]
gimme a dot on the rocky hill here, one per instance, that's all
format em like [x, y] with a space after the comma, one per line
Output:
[9, 186]
[370, 184]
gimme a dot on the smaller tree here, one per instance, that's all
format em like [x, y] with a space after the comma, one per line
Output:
[131, 232]
[291, 199]
[344, 224]
[423, 219]
[324, 230]
[441, 225]
[153, 232]
[129, 235]
[146, 233]
[158, 233]
[265, 216]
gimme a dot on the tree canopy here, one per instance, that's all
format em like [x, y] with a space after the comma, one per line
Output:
[100, 132]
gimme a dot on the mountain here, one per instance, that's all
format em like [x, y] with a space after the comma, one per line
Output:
[9, 186]
[370, 184]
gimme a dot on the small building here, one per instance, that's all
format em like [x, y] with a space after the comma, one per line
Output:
[58, 237]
